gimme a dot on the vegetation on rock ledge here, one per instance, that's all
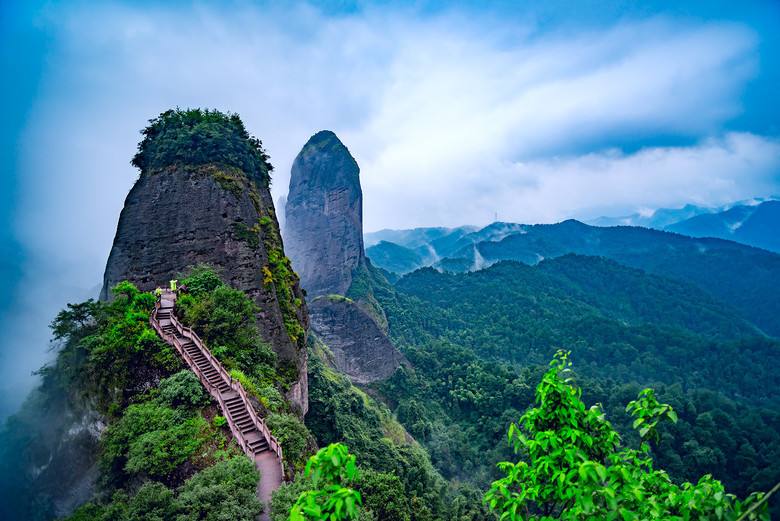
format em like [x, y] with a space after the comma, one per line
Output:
[199, 137]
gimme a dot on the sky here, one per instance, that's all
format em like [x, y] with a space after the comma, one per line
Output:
[455, 112]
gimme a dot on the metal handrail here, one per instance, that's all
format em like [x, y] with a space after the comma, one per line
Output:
[235, 385]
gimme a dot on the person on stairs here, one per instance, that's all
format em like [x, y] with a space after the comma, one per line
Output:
[174, 282]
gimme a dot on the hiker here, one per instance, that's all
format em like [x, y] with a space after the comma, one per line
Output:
[158, 292]
[173, 285]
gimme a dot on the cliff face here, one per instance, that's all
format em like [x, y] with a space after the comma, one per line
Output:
[183, 213]
[324, 216]
[324, 236]
[360, 349]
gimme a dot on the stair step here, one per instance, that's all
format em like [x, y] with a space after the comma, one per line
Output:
[213, 377]
[258, 447]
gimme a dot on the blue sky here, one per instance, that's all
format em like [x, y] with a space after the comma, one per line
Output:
[536, 111]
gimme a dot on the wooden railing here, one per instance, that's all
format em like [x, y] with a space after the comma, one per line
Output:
[235, 385]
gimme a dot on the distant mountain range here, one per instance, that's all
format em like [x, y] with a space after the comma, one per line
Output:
[755, 222]
[754, 225]
[739, 275]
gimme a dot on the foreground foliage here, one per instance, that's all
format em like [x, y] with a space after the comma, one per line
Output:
[480, 342]
[333, 472]
[574, 467]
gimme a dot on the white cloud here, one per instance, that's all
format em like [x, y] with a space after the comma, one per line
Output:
[451, 117]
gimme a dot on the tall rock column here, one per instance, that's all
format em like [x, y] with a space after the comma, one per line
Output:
[324, 238]
[324, 216]
[203, 197]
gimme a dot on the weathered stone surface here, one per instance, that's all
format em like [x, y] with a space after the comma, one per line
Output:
[324, 223]
[324, 238]
[69, 475]
[361, 350]
[184, 216]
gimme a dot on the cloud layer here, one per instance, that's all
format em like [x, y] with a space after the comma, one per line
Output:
[453, 117]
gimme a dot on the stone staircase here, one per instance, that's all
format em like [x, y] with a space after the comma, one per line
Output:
[247, 427]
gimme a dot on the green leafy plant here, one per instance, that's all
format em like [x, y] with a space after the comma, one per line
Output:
[574, 467]
[333, 472]
[279, 272]
[201, 137]
[224, 491]
[182, 389]
[292, 435]
[201, 280]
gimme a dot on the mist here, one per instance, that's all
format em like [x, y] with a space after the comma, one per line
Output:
[453, 117]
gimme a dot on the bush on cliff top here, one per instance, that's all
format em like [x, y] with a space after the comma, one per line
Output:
[199, 137]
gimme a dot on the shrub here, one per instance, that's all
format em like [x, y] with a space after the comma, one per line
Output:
[201, 280]
[138, 419]
[225, 491]
[157, 453]
[384, 495]
[285, 496]
[226, 317]
[152, 439]
[292, 435]
[245, 381]
[152, 502]
[183, 389]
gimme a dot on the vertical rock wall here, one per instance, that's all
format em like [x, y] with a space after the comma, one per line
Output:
[187, 215]
[324, 238]
[324, 216]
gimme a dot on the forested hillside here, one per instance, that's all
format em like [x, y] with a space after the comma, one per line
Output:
[740, 276]
[477, 342]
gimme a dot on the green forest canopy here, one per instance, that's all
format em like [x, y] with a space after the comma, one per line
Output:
[199, 137]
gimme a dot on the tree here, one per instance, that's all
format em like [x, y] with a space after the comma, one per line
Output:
[575, 468]
[332, 471]
[220, 492]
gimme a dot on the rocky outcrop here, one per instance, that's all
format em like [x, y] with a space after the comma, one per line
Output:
[360, 349]
[49, 455]
[324, 216]
[324, 237]
[191, 212]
